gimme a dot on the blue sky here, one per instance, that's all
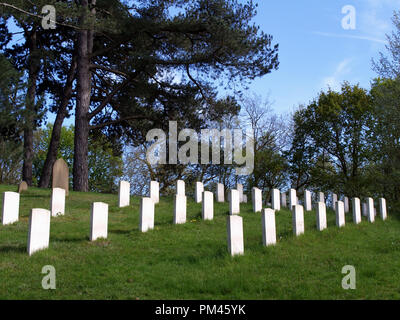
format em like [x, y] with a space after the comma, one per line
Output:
[315, 51]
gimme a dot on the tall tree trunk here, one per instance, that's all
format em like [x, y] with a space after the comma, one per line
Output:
[85, 47]
[56, 132]
[30, 107]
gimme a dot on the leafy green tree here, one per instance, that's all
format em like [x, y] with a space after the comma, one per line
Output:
[11, 105]
[333, 130]
[384, 170]
[105, 164]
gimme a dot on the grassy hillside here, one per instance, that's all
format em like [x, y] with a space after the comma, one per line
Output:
[191, 261]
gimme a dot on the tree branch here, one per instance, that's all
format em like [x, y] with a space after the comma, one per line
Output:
[108, 123]
[37, 15]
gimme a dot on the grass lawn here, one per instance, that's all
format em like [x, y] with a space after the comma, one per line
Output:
[191, 261]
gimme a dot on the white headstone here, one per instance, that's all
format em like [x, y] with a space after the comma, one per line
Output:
[370, 210]
[39, 230]
[155, 191]
[235, 235]
[99, 221]
[321, 197]
[245, 198]
[268, 227]
[307, 200]
[198, 192]
[10, 207]
[340, 217]
[146, 219]
[276, 201]
[382, 208]
[239, 187]
[220, 192]
[234, 202]
[57, 202]
[334, 200]
[292, 198]
[208, 205]
[364, 210]
[346, 205]
[298, 219]
[180, 187]
[180, 209]
[356, 210]
[283, 200]
[321, 216]
[256, 199]
[124, 194]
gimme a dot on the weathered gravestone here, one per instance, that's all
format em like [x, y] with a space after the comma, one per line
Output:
[234, 202]
[275, 199]
[356, 210]
[268, 227]
[370, 210]
[245, 198]
[256, 199]
[57, 202]
[298, 219]
[321, 216]
[346, 205]
[99, 221]
[146, 219]
[180, 209]
[340, 217]
[382, 208]
[334, 200]
[39, 230]
[155, 191]
[364, 210]
[10, 207]
[220, 192]
[235, 235]
[23, 186]
[207, 211]
[198, 192]
[61, 175]
[283, 200]
[124, 194]
[239, 188]
[307, 200]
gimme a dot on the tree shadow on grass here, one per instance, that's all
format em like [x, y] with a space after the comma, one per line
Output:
[82, 239]
[287, 234]
[119, 231]
[15, 248]
[35, 196]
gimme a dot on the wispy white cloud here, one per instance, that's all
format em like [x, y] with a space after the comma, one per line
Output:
[342, 69]
[337, 35]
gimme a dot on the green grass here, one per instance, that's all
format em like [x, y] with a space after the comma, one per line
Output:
[191, 261]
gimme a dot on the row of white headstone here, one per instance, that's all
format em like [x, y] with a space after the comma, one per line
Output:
[235, 223]
[154, 188]
[11, 200]
[278, 200]
[39, 220]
